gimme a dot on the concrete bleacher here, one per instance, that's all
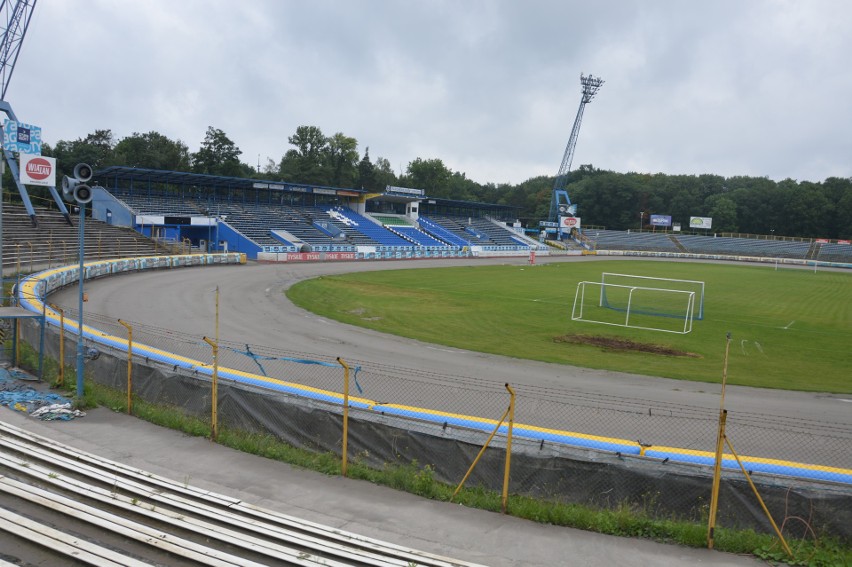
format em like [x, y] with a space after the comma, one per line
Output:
[357, 227]
[698, 244]
[405, 228]
[622, 240]
[437, 230]
[159, 204]
[499, 235]
[464, 228]
[417, 236]
[54, 242]
[835, 252]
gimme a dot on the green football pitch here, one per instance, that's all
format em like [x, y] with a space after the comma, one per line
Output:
[790, 328]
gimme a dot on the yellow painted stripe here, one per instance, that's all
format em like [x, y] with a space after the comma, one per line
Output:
[30, 284]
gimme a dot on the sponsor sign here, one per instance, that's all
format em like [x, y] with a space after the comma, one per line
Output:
[548, 224]
[257, 185]
[325, 191]
[347, 194]
[676, 227]
[700, 222]
[21, 138]
[276, 187]
[406, 190]
[38, 170]
[822, 241]
[319, 256]
[844, 241]
[569, 222]
[661, 220]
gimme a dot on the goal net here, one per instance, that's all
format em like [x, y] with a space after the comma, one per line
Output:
[661, 310]
[636, 307]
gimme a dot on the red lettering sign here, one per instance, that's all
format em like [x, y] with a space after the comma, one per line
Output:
[39, 168]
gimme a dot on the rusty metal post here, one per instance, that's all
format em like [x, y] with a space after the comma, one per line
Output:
[345, 448]
[129, 366]
[511, 412]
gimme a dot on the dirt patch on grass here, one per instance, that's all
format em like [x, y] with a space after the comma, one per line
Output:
[623, 345]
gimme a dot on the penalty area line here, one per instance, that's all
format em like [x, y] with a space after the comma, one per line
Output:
[790, 324]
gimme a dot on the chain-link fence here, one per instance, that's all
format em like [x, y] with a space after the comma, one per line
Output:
[568, 446]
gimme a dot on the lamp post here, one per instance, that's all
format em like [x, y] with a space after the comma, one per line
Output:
[80, 278]
[641, 219]
[75, 189]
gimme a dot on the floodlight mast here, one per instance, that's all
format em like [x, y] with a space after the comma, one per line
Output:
[15, 21]
[560, 204]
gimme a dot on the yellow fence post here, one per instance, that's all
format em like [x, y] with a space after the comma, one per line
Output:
[508, 446]
[509, 411]
[720, 437]
[214, 433]
[129, 366]
[345, 448]
[759, 499]
[60, 380]
[214, 394]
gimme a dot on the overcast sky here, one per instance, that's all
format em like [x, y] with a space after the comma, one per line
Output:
[742, 87]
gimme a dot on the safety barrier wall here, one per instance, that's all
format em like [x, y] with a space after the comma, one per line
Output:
[665, 471]
[726, 257]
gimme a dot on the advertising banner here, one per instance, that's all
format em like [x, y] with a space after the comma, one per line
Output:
[700, 222]
[22, 138]
[661, 220]
[569, 222]
[38, 170]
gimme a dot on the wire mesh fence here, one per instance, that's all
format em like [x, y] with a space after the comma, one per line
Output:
[568, 446]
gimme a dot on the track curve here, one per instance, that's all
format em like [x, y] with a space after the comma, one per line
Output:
[255, 310]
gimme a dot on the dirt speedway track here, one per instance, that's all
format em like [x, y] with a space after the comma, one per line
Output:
[254, 310]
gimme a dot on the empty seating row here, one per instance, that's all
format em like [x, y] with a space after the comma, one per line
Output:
[354, 224]
[621, 240]
[835, 252]
[744, 246]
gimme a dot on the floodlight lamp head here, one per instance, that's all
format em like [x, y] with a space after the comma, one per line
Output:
[591, 84]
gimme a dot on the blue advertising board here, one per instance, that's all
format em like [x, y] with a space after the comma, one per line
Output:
[21, 138]
[661, 220]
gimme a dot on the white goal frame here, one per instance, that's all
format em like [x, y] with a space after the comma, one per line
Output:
[577, 313]
[698, 285]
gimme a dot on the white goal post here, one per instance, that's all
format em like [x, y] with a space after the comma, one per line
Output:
[636, 307]
[656, 282]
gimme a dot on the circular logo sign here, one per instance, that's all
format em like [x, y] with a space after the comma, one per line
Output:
[39, 168]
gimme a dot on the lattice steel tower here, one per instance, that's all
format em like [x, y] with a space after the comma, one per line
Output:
[14, 21]
[560, 204]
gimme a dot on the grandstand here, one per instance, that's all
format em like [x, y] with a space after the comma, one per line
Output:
[621, 240]
[54, 242]
[834, 252]
[744, 246]
[214, 213]
[245, 215]
[799, 249]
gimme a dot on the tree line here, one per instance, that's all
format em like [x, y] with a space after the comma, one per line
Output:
[755, 205]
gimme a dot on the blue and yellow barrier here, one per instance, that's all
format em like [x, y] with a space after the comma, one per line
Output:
[35, 288]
